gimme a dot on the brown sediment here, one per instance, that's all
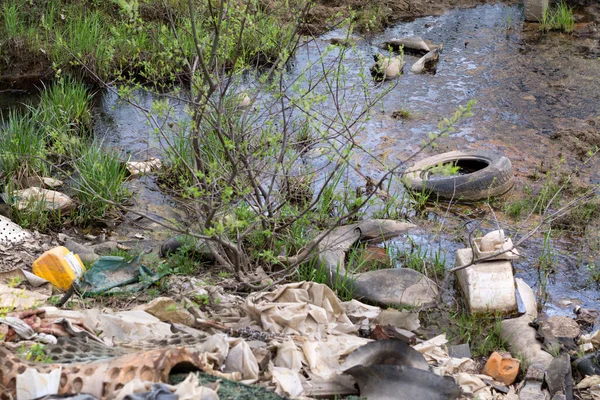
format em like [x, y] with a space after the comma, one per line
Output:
[22, 67]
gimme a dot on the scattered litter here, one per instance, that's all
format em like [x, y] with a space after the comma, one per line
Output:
[167, 309]
[112, 274]
[59, 266]
[502, 368]
[20, 299]
[143, 167]
[32, 384]
[11, 233]
[487, 285]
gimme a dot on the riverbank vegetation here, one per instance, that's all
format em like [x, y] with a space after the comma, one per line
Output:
[148, 40]
[55, 138]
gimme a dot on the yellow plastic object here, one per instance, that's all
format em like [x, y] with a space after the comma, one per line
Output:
[59, 266]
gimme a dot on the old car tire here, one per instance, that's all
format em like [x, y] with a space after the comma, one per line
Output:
[485, 174]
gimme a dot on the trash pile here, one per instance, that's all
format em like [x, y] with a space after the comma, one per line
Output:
[296, 341]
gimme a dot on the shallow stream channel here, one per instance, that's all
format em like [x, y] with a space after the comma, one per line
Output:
[534, 93]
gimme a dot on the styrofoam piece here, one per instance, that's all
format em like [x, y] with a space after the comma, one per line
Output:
[494, 243]
[487, 286]
[11, 233]
[33, 384]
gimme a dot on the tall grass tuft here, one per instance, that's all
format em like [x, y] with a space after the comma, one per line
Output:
[64, 113]
[560, 18]
[22, 147]
[100, 177]
[13, 25]
[85, 38]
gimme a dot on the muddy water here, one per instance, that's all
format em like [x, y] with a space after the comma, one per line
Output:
[527, 87]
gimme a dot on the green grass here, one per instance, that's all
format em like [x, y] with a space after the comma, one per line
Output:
[426, 261]
[560, 18]
[402, 113]
[87, 38]
[64, 113]
[481, 332]
[36, 217]
[313, 271]
[100, 176]
[22, 147]
[13, 25]
[116, 41]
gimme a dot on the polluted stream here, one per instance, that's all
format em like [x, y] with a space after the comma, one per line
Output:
[529, 88]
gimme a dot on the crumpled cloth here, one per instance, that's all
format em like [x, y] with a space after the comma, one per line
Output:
[24, 331]
[304, 308]
[34, 325]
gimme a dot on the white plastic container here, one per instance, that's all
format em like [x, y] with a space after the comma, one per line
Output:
[487, 286]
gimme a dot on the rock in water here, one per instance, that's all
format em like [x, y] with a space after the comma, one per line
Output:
[408, 44]
[386, 68]
[344, 41]
[427, 63]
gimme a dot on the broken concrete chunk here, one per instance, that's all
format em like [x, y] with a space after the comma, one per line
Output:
[532, 391]
[559, 377]
[527, 297]
[400, 319]
[42, 182]
[562, 327]
[85, 253]
[407, 44]
[459, 351]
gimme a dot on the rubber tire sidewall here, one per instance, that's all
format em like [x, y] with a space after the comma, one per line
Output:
[494, 180]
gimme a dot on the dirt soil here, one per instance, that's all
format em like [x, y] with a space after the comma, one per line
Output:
[22, 68]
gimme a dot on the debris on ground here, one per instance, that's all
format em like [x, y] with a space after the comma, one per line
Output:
[59, 266]
[297, 340]
[488, 285]
[143, 167]
[48, 199]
